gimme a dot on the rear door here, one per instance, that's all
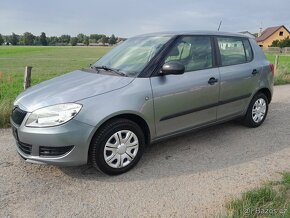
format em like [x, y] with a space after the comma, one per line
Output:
[187, 100]
[239, 75]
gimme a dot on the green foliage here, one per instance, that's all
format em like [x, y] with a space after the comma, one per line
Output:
[271, 200]
[64, 39]
[282, 74]
[28, 38]
[86, 41]
[281, 43]
[81, 37]
[112, 40]
[95, 37]
[275, 43]
[14, 39]
[53, 40]
[73, 41]
[42, 39]
[104, 39]
[1, 40]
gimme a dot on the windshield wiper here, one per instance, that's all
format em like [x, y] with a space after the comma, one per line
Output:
[108, 69]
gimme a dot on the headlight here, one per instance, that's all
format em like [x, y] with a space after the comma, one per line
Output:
[53, 115]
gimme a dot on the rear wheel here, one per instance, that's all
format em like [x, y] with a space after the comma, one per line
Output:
[257, 111]
[117, 147]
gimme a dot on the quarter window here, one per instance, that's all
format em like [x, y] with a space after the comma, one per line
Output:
[194, 52]
[248, 50]
[232, 51]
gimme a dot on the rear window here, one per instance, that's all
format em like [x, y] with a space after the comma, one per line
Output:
[234, 50]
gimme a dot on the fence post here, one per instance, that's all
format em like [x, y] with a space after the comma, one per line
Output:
[276, 62]
[27, 77]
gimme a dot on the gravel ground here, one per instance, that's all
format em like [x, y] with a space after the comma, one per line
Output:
[189, 176]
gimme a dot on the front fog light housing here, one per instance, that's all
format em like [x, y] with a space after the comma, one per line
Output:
[53, 115]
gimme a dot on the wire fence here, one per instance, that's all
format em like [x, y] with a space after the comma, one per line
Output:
[47, 62]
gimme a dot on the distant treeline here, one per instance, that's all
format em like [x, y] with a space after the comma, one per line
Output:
[81, 39]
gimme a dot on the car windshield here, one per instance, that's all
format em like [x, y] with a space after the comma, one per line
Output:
[132, 56]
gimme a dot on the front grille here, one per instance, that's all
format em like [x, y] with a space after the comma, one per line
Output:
[54, 151]
[25, 148]
[18, 115]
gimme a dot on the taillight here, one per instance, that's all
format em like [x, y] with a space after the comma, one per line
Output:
[272, 68]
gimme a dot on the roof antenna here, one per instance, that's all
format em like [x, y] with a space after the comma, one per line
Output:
[260, 30]
[220, 25]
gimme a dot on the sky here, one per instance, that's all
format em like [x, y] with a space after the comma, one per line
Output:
[126, 18]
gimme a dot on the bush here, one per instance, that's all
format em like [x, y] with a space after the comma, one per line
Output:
[281, 43]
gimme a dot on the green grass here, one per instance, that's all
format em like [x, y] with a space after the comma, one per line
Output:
[270, 200]
[47, 62]
[282, 75]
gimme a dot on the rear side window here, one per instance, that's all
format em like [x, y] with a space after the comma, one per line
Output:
[233, 51]
[194, 52]
[248, 50]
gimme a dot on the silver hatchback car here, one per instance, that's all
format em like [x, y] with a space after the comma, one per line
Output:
[148, 88]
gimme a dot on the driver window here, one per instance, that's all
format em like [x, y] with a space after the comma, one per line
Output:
[194, 52]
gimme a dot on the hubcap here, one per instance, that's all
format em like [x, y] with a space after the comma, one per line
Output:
[121, 149]
[259, 110]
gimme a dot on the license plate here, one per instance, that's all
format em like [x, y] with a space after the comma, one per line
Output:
[15, 134]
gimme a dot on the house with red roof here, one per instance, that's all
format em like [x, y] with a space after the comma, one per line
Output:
[271, 34]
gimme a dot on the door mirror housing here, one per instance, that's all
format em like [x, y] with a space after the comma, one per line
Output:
[172, 67]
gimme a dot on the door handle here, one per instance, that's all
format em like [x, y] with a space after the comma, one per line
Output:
[255, 71]
[212, 81]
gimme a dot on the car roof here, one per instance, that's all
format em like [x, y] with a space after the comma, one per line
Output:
[197, 32]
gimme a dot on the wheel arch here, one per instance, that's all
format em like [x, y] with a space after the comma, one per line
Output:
[266, 92]
[129, 116]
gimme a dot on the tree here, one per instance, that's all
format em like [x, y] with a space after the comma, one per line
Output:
[1, 40]
[81, 37]
[86, 41]
[104, 39]
[95, 37]
[65, 38]
[14, 39]
[43, 39]
[52, 40]
[112, 40]
[36, 40]
[28, 38]
[73, 41]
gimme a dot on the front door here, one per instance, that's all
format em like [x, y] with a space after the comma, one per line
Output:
[189, 100]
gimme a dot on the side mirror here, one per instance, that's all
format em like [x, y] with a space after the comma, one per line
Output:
[172, 67]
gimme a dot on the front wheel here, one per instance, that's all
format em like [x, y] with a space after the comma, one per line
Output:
[257, 111]
[117, 147]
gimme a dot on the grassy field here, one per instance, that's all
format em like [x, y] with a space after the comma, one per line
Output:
[51, 61]
[47, 62]
[282, 75]
[270, 200]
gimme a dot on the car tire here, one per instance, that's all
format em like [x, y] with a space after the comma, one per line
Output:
[257, 111]
[117, 147]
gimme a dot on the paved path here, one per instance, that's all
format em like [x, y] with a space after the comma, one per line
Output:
[189, 176]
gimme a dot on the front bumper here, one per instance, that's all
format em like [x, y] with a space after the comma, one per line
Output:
[64, 145]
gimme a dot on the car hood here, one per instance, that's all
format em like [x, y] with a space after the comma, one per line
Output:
[69, 87]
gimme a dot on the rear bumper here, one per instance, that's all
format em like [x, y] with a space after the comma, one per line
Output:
[64, 145]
